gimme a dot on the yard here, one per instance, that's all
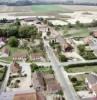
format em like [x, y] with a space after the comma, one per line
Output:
[77, 69]
[44, 69]
[12, 51]
[86, 54]
[78, 82]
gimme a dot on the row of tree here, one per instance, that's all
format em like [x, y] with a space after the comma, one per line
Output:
[20, 31]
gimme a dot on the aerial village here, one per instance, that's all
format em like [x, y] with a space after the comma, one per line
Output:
[44, 58]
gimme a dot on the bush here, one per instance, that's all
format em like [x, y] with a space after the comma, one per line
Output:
[74, 79]
[13, 41]
[62, 58]
[34, 67]
[60, 92]
[18, 81]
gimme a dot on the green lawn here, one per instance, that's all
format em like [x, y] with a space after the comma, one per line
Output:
[15, 49]
[79, 84]
[80, 32]
[81, 69]
[44, 69]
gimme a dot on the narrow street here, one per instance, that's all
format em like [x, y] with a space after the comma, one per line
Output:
[68, 89]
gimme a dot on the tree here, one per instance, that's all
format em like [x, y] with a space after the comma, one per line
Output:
[17, 22]
[48, 32]
[59, 48]
[94, 23]
[13, 41]
[78, 24]
[62, 58]
[4, 20]
[1, 33]
[69, 25]
[28, 31]
[81, 48]
[74, 79]
[12, 31]
[41, 45]
[34, 67]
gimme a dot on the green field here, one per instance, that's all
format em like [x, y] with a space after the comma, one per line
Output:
[81, 69]
[73, 32]
[46, 8]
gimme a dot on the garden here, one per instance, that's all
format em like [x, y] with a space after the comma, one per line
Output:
[78, 82]
[44, 69]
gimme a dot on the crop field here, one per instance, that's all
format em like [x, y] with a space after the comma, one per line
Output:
[44, 9]
[33, 10]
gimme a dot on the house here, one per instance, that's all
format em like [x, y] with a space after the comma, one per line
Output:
[15, 67]
[38, 81]
[25, 96]
[22, 95]
[36, 57]
[20, 56]
[5, 52]
[91, 81]
[45, 81]
[52, 86]
[29, 96]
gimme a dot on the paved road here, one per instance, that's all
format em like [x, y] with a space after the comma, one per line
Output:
[67, 63]
[60, 74]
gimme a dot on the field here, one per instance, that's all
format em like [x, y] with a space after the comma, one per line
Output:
[43, 9]
[80, 32]
[33, 10]
[46, 8]
[82, 69]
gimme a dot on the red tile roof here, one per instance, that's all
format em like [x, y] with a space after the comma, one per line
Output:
[29, 96]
